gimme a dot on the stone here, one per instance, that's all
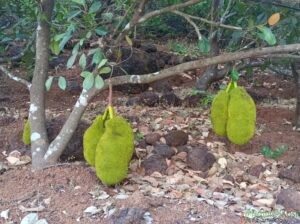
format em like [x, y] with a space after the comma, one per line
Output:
[256, 170]
[170, 99]
[176, 138]
[162, 86]
[155, 163]
[200, 159]
[152, 138]
[128, 216]
[164, 151]
[292, 174]
[290, 199]
[149, 99]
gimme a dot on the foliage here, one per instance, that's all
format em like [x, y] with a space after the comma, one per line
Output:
[273, 154]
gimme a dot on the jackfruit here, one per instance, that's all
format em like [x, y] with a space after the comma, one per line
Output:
[26, 133]
[114, 151]
[91, 138]
[241, 116]
[218, 114]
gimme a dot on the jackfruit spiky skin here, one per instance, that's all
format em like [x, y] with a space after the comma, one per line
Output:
[219, 111]
[91, 138]
[114, 151]
[26, 133]
[241, 116]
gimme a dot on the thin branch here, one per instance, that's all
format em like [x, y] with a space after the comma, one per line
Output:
[208, 21]
[15, 78]
[188, 19]
[168, 9]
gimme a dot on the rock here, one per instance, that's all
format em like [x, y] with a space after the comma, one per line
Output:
[200, 159]
[291, 221]
[3, 168]
[176, 138]
[148, 47]
[256, 170]
[292, 174]
[128, 216]
[155, 163]
[290, 199]
[164, 151]
[149, 99]
[170, 99]
[193, 100]
[152, 138]
[133, 101]
[162, 86]
[182, 148]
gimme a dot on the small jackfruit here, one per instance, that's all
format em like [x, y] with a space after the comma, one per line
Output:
[114, 151]
[241, 116]
[91, 138]
[26, 133]
[219, 112]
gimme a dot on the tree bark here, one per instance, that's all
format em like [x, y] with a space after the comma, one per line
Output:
[39, 137]
[296, 74]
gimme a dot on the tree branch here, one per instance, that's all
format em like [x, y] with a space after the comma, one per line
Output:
[188, 18]
[15, 78]
[218, 24]
[59, 143]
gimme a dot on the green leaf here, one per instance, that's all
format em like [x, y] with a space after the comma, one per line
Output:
[234, 75]
[58, 37]
[84, 74]
[73, 14]
[97, 57]
[71, 61]
[75, 49]
[101, 31]
[204, 45]
[48, 83]
[102, 62]
[64, 41]
[105, 70]
[267, 35]
[54, 47]
[95, 7]
[62, 83]
[82, 61]
[99, 83]
[88, 81]
[88, 35]
[108, 16]
[80, 2]
[129, 41]
[81, 41]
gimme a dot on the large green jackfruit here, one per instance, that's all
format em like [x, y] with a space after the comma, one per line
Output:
[114, 151]
[91, 138]
[218, 112]
[26, 133]
[241, 116]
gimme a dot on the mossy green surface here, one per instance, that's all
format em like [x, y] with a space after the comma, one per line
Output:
[114, 151]
[241, 116]
[218, 114]
[91, 138]
[26, 133]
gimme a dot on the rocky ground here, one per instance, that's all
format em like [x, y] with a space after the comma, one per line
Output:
[181, 171]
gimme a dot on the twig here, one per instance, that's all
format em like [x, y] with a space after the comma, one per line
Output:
[15, 78]
[208, 21]
[186, 16]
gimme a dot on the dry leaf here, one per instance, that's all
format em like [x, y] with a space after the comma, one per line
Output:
[273, 19]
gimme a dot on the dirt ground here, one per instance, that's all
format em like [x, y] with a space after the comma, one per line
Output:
[64, 192]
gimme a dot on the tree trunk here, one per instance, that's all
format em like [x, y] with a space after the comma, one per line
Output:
[39, 137]
[296, 74]
[211, 74]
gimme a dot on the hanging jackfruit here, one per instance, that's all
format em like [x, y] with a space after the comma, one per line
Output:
[218, 112]
[241, 116]
[114, 151]
[26, 133]
[91, 138]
